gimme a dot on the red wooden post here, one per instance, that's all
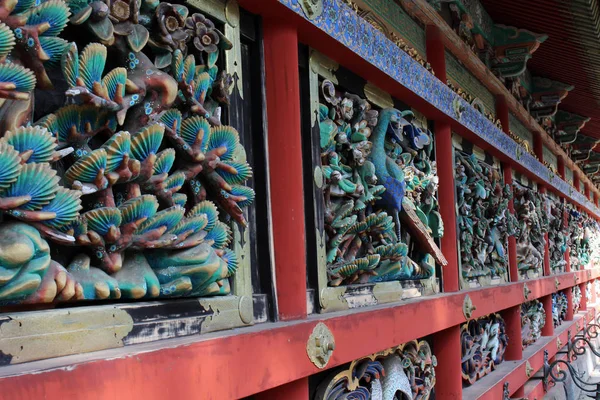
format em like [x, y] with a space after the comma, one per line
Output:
[436, 52]
[447, 349]
[569, 293]
[587, 191]
[436, 56]
[548, 329]
[512, 318]
[561, 167]
[296, 390]
[285, 166]
[513, 267]
[583, 304]
[576, 183]
[502, 115]
[538, 146]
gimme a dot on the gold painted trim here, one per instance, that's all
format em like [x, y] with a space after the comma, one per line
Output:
[39, 335]
[323, 66]
[378, 96]
[468, 307]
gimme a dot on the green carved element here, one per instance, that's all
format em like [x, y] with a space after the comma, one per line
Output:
[513, 48]
[150, 180]
[369, 177]
[484, 221]
[557, 234]
[533, 319]
[531, 227]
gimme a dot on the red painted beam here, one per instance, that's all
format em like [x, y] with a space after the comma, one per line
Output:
[276, 352]
[282, 84]
[296, 390]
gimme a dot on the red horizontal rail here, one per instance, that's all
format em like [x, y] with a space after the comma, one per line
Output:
[241, 362]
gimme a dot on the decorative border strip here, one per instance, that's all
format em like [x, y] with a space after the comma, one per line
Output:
[341, 23]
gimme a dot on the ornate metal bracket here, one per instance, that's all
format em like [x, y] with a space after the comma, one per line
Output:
[591, 389]
[468, 307]
[528, 369]
[526, 291]
[320, 345]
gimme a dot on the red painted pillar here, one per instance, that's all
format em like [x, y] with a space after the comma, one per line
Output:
[447, 346]
[447, 350]
[513, 267]
[436, 56]
[538, 146]
[436, 52]
[561, 167]
[502, 115]
[587, 191]
[569, 293]
[512, 318]
[548, 329]
[576, 183]
[285, 166]
[568, 260]
[583, 304]
[297, 390]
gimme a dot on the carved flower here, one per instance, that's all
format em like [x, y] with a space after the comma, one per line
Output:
[171, 21]
[205, 36]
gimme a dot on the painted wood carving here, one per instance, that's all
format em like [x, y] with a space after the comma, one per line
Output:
[125, 183]
[577, 296]
[484, 221]
[406, 372]
[532, 224]
[533, 319]
[380, 192]
[559, 308]
[484, 342]
[557, 233]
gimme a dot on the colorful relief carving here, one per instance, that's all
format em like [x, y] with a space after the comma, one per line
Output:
[127, 185]
[407, 371]
[557, 234]
[483, 218]
[532, 224]
[576, 298]
[583, 240]
[380, 188]
[588, 292]
[484, 342]
[533, 319]
[559, 308]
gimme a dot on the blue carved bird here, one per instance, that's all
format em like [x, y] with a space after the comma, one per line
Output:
[391, 121]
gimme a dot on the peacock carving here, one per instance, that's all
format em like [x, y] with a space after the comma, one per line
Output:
[379, 192]
[128, 187]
